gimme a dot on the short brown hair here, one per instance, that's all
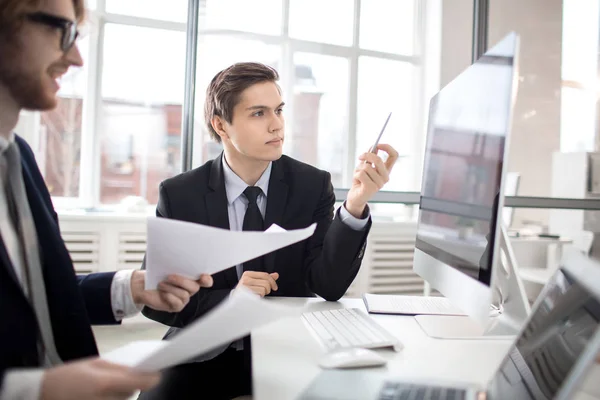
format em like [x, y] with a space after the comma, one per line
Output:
[12, 13]
[223, 93]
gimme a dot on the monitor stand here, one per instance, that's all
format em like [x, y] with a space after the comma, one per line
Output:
[508, 311]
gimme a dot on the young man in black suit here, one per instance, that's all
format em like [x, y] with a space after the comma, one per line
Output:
[244, 112]
[47, 347]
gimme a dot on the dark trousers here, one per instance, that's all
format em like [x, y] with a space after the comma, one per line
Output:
[224, 377]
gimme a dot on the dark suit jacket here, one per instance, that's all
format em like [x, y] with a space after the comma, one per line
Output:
[324, 264]
[73, 302]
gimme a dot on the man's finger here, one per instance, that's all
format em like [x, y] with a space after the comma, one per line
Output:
[363, 178]
[373, 175]
[392, 155]
[255, 274]
[102, 363]
[191, 286]
[119, 381]
[259, 282]
[375, 160]
[176, 291]
[260, 290]
[271, 281]
[205, 280]
[173, 302]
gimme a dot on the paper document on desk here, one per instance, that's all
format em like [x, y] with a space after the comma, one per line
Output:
[233, 319]
[409, 305]
[188, 249]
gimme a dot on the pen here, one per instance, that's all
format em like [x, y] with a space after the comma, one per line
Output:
[373, 148]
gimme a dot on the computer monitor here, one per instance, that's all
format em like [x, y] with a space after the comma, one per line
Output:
[460, 234]
[511, 187]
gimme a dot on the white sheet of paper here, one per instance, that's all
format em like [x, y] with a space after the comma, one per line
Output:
[233, 319]
[189, 250]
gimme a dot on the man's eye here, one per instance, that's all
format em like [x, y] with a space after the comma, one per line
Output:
[279, 111]
[258, 114]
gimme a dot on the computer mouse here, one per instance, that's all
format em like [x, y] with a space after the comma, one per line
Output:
[352, 358]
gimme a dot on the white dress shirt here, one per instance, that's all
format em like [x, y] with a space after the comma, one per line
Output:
[25, 383]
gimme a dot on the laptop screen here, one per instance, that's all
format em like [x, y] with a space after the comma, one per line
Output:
[547, 350]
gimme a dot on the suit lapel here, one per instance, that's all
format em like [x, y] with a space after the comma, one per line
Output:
[276, 201]
[41, 217]
[216, 207]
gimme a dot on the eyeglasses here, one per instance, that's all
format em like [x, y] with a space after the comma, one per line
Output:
[68, 27]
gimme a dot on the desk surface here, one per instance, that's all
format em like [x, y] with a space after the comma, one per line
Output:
[285, 355]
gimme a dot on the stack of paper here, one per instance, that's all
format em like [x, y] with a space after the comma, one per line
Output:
[189, 250]
[233, 319]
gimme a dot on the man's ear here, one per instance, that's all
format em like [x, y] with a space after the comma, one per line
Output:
[218, 125]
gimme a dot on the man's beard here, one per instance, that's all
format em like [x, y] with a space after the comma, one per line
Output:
[24, 85]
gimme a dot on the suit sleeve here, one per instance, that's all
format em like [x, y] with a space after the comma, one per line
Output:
[334, 252]
[200, 303]
[96, 291]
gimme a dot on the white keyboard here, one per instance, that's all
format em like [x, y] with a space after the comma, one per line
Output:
[349, 327]
[409, 305]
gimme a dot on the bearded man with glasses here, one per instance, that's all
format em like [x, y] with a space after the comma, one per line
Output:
[47, 346]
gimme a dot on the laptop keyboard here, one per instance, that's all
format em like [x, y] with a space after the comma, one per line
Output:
[403, 391]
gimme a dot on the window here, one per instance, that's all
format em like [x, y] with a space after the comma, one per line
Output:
[257, 16]
[320, 109]
[60, 133]
[172, 10]
[116, 131]
[339, 83]
[376, 98]
[140, 118]
[388, 25]
[313, 20]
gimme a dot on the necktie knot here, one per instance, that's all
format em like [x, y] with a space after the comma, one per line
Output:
[252, 193]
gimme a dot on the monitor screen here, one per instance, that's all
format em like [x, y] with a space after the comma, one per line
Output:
[545, 353]
[469, 122]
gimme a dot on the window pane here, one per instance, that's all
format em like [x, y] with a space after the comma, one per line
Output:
[214, 59]
[318, 135]
[387, 25]
[172, 10]
[328, 21]
[577, 122]
[60, 133]
[142, 96]
[258, 16]
[384, 86]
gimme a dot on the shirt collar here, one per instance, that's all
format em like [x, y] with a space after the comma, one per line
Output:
[235, 186]
[4, 143]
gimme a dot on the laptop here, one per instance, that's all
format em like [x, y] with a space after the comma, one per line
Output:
[547, 360]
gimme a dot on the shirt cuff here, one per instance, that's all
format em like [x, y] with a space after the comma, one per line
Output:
[121, 296]
[353, 222]
[22, 384]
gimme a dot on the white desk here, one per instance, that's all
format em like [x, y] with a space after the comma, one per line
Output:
[285, 355]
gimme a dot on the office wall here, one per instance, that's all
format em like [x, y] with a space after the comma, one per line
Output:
[536, 125]
[457, 33]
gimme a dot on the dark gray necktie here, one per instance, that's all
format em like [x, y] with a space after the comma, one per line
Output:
[253, 221]
[24, 225]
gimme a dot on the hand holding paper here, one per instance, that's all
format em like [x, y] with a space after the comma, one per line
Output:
[233, 319]
[188, 249]
[171, 295]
